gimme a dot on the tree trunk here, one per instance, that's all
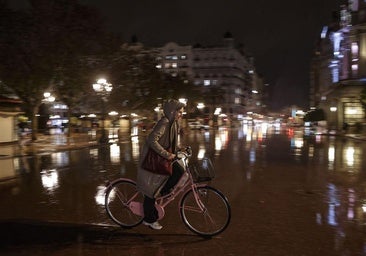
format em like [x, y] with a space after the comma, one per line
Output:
[34, 119]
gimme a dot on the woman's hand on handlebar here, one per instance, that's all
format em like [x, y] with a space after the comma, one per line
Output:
[171, 156]
[188, 150]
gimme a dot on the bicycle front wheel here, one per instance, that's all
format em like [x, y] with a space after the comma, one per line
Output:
[208, 213]
[118, 198]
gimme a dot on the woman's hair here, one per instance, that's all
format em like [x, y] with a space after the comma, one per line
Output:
[176, 103]
[170, 106]
[180, 105]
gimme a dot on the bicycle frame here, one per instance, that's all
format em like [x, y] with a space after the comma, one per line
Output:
[163, 201]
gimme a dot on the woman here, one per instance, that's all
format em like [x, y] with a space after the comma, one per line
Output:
[163, 136]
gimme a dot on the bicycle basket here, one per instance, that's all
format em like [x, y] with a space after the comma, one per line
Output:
[203, 170]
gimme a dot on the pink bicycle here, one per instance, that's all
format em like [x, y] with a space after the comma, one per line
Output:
[203, 209]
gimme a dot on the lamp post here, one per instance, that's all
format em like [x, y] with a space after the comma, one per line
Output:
[183, 120]
[44, 120]
[114, 117]
[103, 89]
[333, 110]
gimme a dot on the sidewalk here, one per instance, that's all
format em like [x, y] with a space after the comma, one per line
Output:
[355, 136]
[46, 144]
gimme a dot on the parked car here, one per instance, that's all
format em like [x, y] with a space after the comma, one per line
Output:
[198, 126]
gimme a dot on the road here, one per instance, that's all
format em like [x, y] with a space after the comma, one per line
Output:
[290, 195]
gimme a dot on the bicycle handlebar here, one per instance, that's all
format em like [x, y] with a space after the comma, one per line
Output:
[186, 153]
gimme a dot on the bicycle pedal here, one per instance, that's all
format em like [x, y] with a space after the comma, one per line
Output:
[203, 192]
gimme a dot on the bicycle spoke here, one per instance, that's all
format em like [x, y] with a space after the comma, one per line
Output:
[117, 203]
[205, 211]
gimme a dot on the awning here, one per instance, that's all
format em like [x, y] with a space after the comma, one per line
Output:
[7, 114]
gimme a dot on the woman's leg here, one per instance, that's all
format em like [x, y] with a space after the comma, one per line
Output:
[173, 180]
[150, 212]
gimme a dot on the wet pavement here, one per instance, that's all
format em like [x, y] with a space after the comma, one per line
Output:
[60, 142]
[47, 144]
[290, 195]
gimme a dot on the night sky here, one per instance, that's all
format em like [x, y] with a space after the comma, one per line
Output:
[280, 34]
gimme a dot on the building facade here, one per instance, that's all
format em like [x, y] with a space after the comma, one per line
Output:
[338, 71]
[226, 77]
[175, 60]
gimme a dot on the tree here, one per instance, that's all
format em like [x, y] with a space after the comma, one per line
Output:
[314, 115]
[27, 65]
[73, 86]
[139, 86]
[213, 96]
[36, 46]
[88, 45]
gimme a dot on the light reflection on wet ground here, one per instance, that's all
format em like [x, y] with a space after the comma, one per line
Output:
[69, 186]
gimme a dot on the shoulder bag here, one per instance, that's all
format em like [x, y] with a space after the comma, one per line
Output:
[157, 164]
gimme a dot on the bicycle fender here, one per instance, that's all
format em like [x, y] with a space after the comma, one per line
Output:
[110, 183]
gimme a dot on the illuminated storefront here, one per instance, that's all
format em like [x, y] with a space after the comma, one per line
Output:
[338, 73]
[9, 112]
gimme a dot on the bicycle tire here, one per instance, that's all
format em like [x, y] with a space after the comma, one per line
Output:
[211, 221]
[117, 196]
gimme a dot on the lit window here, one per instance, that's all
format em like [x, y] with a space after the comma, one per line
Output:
[353, 111]
[174, 65]
[337, 38]
[354, 69]
[335, 75]
[206, 82]
[354, 50]
[183, 57]
[237, 100]
[158, 66]
[324, 32]
[171, 57]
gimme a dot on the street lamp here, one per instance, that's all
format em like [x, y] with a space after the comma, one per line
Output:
[48, 113]
[48, 97]
[103, 89]
[200, 105]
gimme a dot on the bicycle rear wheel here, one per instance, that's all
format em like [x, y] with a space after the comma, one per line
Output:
[209, 215]
[118, 198]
